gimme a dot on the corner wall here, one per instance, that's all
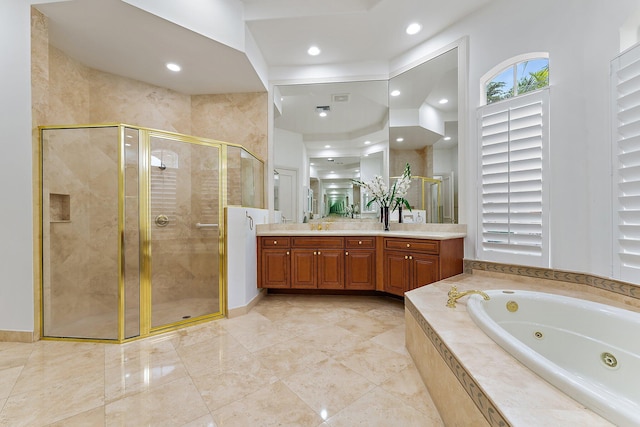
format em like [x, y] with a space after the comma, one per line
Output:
[16, 225]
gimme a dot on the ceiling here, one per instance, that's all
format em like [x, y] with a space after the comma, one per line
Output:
[115, 37]
[355, 111]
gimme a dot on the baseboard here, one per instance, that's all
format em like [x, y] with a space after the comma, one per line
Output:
[18, 336]
[241, 311]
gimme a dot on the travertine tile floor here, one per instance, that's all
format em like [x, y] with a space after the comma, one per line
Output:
[292, 361]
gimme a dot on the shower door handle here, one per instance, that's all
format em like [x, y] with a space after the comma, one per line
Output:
[200, 225]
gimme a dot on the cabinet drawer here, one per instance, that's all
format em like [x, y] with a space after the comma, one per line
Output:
[425, 246]
[360, 242]
[317, 242]
[275, 242]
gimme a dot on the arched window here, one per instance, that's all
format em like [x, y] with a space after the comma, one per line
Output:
[519, 77]
[513, 138]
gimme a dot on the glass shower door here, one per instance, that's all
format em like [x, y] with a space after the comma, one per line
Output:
[80, 227]
[184, 218]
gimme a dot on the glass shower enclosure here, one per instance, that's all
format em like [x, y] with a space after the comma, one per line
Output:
[132, 228]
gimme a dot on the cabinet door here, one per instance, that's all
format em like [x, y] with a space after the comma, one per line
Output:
[396, 272]
[303, 268]
[275, 268]
[424, 270]
[360, 269]
[330, 264]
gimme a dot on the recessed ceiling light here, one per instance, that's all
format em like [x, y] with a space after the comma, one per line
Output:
[329, 159]
[366, 155]
[313, 51]
[447, 138]
[173, 66]
[356, 170]
[443, 101]
[414, 28]
[395, 92]
[399, 139]
[312, 164]
[331, 172]
[322, 114]
[367, 142]
[327, 146]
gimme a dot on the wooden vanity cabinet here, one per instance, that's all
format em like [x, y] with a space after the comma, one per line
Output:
[274, 269]
[390, 264]
[360, 263]
[412, 263]
[317, 262]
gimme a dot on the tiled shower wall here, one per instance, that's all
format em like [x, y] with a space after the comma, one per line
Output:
[65, 91]
[81, 236]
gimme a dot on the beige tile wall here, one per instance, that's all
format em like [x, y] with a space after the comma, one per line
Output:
[65, 91]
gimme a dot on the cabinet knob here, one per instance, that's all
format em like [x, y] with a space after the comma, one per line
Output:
[410, 257]
[347, 253]
[287, 252]
[275, 242]
[318, 252]
[408, 245]
[359, 242]
[406, 257]
[315, 253]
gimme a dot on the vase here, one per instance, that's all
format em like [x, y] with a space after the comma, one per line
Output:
[400, 214]
[382, 214]
[385, 217]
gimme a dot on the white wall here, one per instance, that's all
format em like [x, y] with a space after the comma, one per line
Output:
[16, 213]
[445, 160]
[291, 153]
[242, 264]
[219, 20]
[581, 36]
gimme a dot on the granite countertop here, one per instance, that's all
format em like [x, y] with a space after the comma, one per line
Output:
[433, 235]
[414, 231]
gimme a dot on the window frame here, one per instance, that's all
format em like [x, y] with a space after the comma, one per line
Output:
[512, 62]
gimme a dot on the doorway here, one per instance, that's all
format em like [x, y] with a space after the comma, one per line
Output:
[288, 194]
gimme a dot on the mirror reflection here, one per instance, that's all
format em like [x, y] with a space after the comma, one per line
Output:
[423, 131]
[327, 134]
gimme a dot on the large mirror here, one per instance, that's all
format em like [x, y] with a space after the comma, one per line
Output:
[328, 134]
[423, 131]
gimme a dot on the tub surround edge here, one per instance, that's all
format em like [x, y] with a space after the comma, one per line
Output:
[482, 402]
[517, 393]
[604, 283]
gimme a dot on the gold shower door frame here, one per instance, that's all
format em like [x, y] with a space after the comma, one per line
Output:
[146, 327]
[144, 159]
[425, 184]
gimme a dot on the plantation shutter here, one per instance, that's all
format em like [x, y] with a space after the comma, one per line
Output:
[625, 80]
[513, 225]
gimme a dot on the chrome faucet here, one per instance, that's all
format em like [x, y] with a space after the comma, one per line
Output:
[454, 296]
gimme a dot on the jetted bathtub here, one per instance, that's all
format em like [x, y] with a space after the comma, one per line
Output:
[588, 350]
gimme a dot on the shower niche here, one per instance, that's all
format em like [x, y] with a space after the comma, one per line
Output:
[132, 228]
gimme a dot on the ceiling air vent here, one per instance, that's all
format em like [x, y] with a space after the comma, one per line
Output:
[340, 97]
